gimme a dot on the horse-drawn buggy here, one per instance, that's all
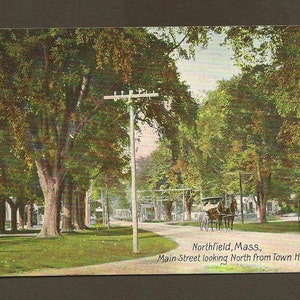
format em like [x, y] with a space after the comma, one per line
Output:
[214, 211]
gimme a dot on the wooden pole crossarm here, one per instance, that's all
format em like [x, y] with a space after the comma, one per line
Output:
[130, 96]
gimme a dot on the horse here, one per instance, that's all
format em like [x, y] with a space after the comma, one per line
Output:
[203, 221]
[230, 214]
[215, 214]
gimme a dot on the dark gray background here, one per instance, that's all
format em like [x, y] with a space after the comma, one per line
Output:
[99, 13]
[83, 13]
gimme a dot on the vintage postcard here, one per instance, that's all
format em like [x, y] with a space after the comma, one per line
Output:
[149, 150]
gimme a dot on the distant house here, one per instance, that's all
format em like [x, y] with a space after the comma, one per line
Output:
[250, 205]
[273, 207]
[122, 214]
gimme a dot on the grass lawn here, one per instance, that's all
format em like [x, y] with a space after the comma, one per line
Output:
[275, 227]
[94, 246]
[236, 269]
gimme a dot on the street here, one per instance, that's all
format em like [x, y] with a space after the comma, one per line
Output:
[201, 252]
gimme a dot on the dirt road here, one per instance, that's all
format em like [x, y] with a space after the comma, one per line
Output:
[201, 252]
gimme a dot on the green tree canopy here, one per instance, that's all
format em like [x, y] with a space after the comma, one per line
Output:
[53, 82]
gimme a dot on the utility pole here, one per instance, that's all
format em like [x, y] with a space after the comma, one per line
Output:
[129, 97]
[241, 191]
[103, 209]
[241, 198]
[88, 207]
[183, 206]
[106, 206]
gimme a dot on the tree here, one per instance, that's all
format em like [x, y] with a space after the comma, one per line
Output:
[280, 59]
[51, 71]
[2, 201]
[250, 123]
[261, 123]
[17, 179]
[53, 80]
[263, 147]
[247, 132]
[285, 92]
[211, 144]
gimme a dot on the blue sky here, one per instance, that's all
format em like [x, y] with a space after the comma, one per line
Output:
[210, 65]
[201, 74]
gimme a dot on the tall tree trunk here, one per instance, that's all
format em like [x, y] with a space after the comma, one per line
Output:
[13, 221]
[188, 202]
[50, 224]
[30, 216]
[81, 209]
[2, 198]
[75, 210]
[188, 211]
[59, 209]
[21, 211]
[168, 210]
[88, 194]
[155, 205]
[262, 208]
[52, 188]
[67, 225]
[261, 192]
[2, 213]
